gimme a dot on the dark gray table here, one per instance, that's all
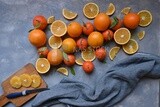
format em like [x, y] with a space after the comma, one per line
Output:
[16, 51]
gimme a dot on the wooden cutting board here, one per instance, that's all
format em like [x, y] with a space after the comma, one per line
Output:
[7, 88]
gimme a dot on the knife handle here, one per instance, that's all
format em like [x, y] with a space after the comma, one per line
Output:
[16, 94]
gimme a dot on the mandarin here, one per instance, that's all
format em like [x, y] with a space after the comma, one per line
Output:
[40, 22]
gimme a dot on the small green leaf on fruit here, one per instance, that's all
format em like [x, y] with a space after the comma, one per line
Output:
[72, 71]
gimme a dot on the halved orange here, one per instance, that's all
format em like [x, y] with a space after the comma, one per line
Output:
[122, 36]
[42, 65]
[126, 10]
[90, 10]
[88, 54]
[131, 47]
[55, 42]
[113, 52]
[111, 9]
[141, 35]
[79, 61]
[68, 14]
[63, 71]
[58, 28]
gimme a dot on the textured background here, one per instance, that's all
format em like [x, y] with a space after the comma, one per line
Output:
[16, 51]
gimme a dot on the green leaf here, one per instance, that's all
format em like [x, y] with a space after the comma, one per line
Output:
[114, 22]
[72, 71]
[65, 56]
[37, 25]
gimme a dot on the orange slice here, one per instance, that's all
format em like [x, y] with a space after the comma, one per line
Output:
[90, 10]
[63, 71]
[126, 10]
[15, 82]
[42, 65]
[113, 52]
[58, 28]
[145, 18]
[79, 61]
[122, 36]
[88, 54]
[26, 80]
[55, 42]
[36, 80]
[131, 47]
[51, 19]
[68, 14]
[141, 35]
[111, 9]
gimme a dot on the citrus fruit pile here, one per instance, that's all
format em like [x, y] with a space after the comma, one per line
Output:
[88, 38]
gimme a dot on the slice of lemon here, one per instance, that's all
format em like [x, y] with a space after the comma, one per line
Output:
[79, 61]
[15, 82]
[113, 52]
[68, 14]
[42, 65]
[36, 80]
[26, 80]
[58, 28]
[141, 35]
[90, 10]
[55, 42]
[88, 54]
[51, 19]
[126, 10]
[145, 18]
[131, 47]
[122, 36]
[63, 71]
[111, 9]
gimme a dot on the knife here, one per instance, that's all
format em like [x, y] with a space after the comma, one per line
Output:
[25, 92]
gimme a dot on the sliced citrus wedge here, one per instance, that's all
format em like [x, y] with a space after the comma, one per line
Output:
[42, 65]
[79, 61]
[58, 28]
[55, 42]
[63, 71]
[51, 19]
[88, 54]
[126, 10]
[15, 82]
[36, 80]
[122, 36]
[113, 52]
[68, 14]
[90, 10]
[111, 9]
[145, 18]
[141, 35]
[26, 80]
[131, 47]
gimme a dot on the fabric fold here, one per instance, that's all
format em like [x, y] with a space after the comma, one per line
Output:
[110, 87]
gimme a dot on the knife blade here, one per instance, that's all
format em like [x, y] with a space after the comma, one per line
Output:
[25, 92]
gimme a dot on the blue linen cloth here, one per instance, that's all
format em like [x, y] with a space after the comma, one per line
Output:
[110, 87]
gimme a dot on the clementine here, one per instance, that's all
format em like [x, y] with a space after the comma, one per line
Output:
[70, 61]
[69, 45]
[37, 37]
[88, 66]
[40, 22]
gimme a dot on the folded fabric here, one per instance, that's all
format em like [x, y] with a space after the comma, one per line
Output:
[110, 87]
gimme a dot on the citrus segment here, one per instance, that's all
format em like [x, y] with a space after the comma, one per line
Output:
[111, 9]
[126, 10]
[42, 65]
[50, 19]
[113, 52]
[36, 81]
[63, 71]
[55, 42]
[122, 36]
[79, 61]
[88, 54]
[131, 47]
[15, 82]
[141, 35]
[68, 14]
[26, 80]
[145, 17]
[58, 28]
[90, 10]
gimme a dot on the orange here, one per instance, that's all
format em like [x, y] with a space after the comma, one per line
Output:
[69, 45]
[40, 22]
[42, 65]
[141, 35]
[113, 52]
[63, 71]
[26, 80]
[131, 20]
[37, 37]
[51, 19]
[55, 57]
[74, 29]
[102, 22]
[88, 54]
[36, 80]
[15, 82]
[126, 10]
[79, 61]
[111, 9]
[95, 39]
[68, 14]
[101, 53]
[88, 66]
[70, 60]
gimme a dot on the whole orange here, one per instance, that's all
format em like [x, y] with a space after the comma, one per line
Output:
[55, 57]
[37, 37]
[88, 66]
[131, 20]
[95, 39]
[40, 22]
[101, 53]
[69, 45]
[70, 60]
[74, 29]
[102, 22]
